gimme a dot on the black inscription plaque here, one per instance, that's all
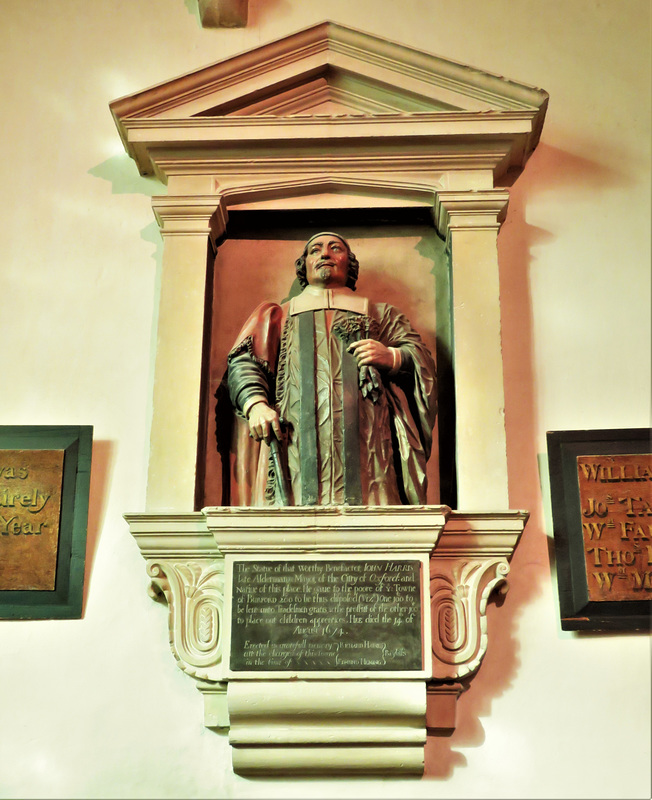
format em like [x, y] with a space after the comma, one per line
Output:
[326, 615]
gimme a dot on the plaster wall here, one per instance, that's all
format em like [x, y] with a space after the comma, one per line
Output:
[97, 707]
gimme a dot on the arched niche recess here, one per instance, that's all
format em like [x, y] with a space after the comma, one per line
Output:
[403, 261]
[406, 154]
[332, 118]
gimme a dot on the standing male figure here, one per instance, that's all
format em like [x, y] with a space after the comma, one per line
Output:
[346, 383]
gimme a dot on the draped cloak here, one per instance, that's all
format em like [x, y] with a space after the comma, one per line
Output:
[346, 439]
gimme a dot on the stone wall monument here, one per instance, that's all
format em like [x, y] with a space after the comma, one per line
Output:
[329, 638]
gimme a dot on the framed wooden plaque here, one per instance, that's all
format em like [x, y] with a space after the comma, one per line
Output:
[601, 492]
[44, 490]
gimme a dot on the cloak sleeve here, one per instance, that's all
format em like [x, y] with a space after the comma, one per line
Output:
[252, 365]
[252, 360]
[412, 396]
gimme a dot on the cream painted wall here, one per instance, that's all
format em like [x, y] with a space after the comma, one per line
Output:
[97, 707]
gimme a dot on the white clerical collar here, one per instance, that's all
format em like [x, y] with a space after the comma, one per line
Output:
[313, 298]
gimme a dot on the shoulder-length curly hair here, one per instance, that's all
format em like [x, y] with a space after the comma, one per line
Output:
[354, 266]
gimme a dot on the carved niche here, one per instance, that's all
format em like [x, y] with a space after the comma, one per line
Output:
[331, 118]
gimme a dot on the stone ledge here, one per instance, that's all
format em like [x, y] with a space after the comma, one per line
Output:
[324, 722]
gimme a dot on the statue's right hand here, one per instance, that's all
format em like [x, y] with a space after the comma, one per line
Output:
[263, 422]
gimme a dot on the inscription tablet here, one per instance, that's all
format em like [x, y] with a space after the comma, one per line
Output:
[616, 516]
[326, 615]
[30, 508]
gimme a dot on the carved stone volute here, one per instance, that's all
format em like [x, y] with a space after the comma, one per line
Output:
[194, 591]
[469, 563]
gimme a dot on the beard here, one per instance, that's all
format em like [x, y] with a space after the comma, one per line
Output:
[325, 273]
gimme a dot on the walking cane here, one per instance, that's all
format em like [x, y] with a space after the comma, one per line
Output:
[281, 478]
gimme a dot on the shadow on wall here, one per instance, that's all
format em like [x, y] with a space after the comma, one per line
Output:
[552, 169]
[122, 173]
[101, 462]
[192, 6]
[531, 568]
[261, 10]
[152, 234]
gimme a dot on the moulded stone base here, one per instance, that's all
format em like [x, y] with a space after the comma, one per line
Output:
[327, 727]
[334, 761]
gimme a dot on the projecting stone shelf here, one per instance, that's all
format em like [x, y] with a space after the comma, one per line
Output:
[328, 639]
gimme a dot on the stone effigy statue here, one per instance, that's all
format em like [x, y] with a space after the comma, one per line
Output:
[345, 385]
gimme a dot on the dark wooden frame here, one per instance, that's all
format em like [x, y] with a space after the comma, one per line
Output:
[577, 612]
[65, 601]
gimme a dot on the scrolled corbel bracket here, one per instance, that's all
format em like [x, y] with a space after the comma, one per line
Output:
[470, 561]
[187, 570]
[194, 590]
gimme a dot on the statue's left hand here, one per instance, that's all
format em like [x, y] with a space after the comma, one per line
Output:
[370, 352]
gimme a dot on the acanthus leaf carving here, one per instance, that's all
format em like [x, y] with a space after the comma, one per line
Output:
[459, 592]
[194, 591]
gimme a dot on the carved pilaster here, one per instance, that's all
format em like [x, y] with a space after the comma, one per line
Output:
[468, 564]
[470, 222]
[194, 591]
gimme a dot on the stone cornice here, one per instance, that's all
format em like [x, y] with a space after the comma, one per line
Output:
[338, 529]
[447, 121]
[208, 214]
[172, 535]
[334, 164]
[486, 534]
[167, 535]
[498, 138]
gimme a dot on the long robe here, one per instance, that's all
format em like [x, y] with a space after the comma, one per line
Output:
[347, 441]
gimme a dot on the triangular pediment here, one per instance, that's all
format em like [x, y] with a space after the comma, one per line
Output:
[329, 69]
[336, 85]
[332, 92]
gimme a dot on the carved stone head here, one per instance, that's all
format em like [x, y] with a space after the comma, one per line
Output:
[322, 259]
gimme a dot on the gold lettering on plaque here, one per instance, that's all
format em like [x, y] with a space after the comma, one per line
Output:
[616, 509]
[30, 507]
